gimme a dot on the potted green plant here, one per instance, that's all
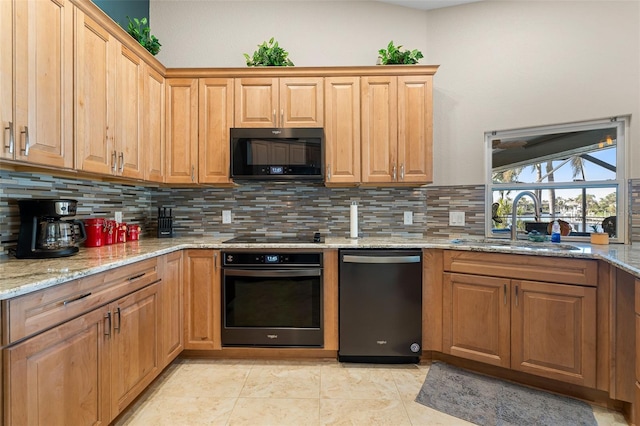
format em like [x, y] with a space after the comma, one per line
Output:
[269, 54]
[392, 55]
[139, 30]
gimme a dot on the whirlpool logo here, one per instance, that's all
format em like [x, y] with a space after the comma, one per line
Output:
[276, 132]
[272, 336]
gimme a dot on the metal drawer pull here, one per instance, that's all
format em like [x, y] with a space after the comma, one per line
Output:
[380, 259]
[135, 277]
[107, 329]
[11, 140]
[75, 299]
[26, 141]
[117, 327]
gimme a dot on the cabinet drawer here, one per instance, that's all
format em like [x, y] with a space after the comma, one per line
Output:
[537, 268]
[38, 311]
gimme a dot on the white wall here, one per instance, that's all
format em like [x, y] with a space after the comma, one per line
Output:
[216, 33]
[503, 64]
[506, 64]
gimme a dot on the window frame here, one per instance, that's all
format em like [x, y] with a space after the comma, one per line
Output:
[622, 127]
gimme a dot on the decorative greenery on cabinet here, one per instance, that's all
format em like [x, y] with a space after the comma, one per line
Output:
[392, 55]
[139, 30]
[269, 54]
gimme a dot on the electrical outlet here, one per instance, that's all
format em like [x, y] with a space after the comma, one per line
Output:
[226, 216]
[456, 218]
[408, 218]
[118, 217]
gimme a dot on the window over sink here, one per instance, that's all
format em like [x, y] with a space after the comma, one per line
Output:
[576, 170]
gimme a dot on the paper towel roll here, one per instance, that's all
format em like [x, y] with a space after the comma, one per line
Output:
[354, 220]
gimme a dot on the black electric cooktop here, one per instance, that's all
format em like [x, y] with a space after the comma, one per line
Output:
[275, 239]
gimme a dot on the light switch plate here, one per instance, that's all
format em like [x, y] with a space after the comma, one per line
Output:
[408, 218]
[226, 216]
[456, 218]
[118, 217]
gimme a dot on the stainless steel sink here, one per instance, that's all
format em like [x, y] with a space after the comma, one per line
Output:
[522, 245]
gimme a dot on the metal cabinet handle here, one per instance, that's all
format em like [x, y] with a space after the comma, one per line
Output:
[516, 295]
[26, 141]
[107, 329]
[121, 158]
[193, 173]
[393, 173]
[402, 171]
[117, 327]
[505, 294]
[113, 161]
[75, 299]
[275, 124]
[11, 140]
[215, 262]
[135, 277]
[329, 172]
[282, 118]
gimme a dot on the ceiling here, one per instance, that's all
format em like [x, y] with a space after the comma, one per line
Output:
[428, 4]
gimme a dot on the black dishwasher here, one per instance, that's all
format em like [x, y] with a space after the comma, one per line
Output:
[380, 305]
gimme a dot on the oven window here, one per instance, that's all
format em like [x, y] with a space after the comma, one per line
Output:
[293, 302]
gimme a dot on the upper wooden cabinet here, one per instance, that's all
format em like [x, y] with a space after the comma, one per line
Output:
[342, 130]
[108, 103]
[215, 119]
[181, 142]
[37, 79]
[279, 102]
[397, 141]
[153, 125]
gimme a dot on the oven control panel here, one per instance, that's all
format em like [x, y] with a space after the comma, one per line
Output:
[271, 258]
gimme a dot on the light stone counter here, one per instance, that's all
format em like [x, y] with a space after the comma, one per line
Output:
[22, 276]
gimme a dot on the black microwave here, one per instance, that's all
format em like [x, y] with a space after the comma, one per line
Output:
[277, 154]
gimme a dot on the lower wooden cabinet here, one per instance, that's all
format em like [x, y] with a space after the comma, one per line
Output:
[61, 377]
[202, 299]
[171, 307]
[546, 329]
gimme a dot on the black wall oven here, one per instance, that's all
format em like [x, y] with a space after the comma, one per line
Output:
[272, 299]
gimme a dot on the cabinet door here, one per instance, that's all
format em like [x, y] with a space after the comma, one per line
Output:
[171, 308]
[202, 299]
[134, 352]
[153, 125]
[415, 129]
[301, 102]
[182, 130]
[216, 118]
[379, 129]
[129, 95]
[6, 80]
[476, 318]
[256, 102]
[60, 377]
[95, 97]
[553, 331]
[44, 82]
[342, 130]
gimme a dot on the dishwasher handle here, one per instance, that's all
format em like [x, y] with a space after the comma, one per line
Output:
[349, 258]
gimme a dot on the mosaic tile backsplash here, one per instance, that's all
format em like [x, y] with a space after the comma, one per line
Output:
[292, 208]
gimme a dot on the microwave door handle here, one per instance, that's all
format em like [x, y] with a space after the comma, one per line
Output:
[275, 273]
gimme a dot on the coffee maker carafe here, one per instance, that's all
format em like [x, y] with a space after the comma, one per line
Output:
[44, 232]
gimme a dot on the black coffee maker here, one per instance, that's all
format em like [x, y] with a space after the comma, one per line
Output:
[44, 232]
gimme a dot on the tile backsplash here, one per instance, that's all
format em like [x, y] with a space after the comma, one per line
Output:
[296, 207]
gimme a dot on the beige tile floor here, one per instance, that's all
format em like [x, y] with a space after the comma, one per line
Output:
[242, 392]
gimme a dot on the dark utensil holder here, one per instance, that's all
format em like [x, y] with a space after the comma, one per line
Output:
[165, 227]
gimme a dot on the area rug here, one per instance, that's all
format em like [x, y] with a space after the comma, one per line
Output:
[489, 401]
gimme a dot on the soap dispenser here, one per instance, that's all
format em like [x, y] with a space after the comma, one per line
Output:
[555, 232]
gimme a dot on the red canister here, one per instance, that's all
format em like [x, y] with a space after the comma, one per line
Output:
[110, 232]
[95, 232]
[121, 233]
[134, 232]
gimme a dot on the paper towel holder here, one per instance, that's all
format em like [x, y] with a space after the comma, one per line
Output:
[353, 220]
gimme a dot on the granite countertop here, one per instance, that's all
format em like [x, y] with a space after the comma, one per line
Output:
[22, 276]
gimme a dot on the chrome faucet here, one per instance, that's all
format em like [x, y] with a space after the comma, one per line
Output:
[514, 214]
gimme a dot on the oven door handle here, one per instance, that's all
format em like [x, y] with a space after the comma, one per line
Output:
[273, 272]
